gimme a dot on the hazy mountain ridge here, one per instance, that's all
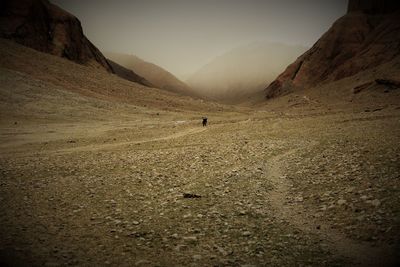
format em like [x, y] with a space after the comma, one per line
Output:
[366, 37]
[244, 70]
[157, 76]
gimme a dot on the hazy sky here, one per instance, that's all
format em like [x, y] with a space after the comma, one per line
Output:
[183, 35]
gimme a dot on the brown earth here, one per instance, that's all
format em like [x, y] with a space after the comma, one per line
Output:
[96, 171]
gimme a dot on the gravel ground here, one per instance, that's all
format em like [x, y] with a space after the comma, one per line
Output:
[261, 190]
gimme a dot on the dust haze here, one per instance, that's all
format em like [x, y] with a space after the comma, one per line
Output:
[243, 71]
[106, 158]
[183, 36]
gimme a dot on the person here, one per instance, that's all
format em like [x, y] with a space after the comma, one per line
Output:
[204, 121]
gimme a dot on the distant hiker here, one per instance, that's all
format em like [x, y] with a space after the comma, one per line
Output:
[204, 121]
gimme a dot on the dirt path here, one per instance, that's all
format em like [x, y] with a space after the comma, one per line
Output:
[125, 204]
[96, 147]
[360, 254]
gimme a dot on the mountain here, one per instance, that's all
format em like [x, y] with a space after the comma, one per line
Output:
[157, 76]
[244, 70]
[128, 74]
[47, 28]
[37, 86]
[366, 38]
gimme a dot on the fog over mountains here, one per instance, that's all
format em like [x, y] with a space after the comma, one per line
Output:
[244, 70]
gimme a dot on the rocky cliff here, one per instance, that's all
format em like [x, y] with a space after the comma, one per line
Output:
[367, 36]
[47, 28]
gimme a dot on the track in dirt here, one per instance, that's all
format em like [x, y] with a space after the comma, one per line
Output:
[128, 200]
[360, 254]
[96, 147]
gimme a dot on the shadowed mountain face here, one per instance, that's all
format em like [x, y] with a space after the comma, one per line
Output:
[128, 74]
[366, 37]
[157, 76]
[47, 28]
[244, 70]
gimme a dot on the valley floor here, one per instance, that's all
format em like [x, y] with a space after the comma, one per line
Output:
[255, 189]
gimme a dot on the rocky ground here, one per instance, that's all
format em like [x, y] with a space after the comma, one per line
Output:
[260, 189]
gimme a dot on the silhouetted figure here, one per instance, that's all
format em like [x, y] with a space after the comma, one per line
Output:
[204, 121]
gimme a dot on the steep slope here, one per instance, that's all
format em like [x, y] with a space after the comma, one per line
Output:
[366, 37]
[128, 74]
[47, 28]
[244, 70]
[37, 85]
[156, 75]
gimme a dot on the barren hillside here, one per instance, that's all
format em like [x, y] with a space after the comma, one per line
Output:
[365, 38]
[156, 75]
[39, 85]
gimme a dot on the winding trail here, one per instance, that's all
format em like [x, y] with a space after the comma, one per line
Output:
[359, 253]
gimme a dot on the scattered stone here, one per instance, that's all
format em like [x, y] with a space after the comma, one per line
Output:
[52, 264]
[189, 195]
[175, 236]
[246, 233]
[222, 251]
[299, 199]
[190, 239]
[142, 262]
[242, 212]
[375, 202]
[197, 257]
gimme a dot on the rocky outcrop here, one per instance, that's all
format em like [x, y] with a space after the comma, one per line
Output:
[367, 36]
[47, 28]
